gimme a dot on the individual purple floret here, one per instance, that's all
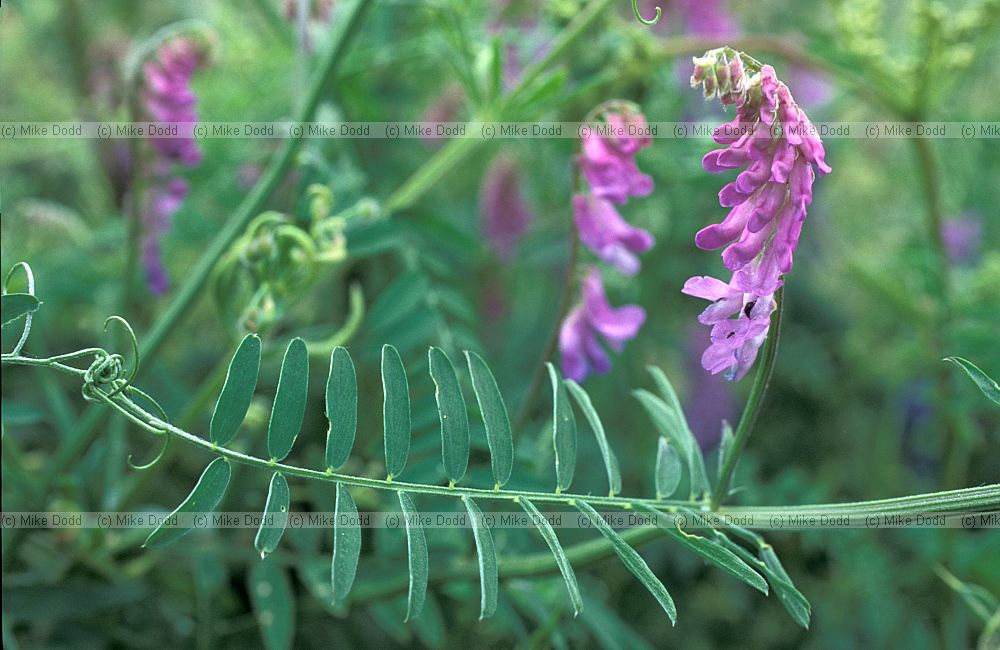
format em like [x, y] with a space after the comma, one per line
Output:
[579, 345]
[605, 232]
[735, 341]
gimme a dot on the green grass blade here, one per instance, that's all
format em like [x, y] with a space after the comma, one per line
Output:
[610, 460]
[204, 498]
[273, 604]
[346, 544]
[984, 382]
[549, 535]
[416, 546]
[453, 414]
[341, 408]
[495, 417]
[632, 560]
[290, 401]
[668, 469]
[395, 411]
[15, 305]
[563, 431]
[237, 392]
[709, 550]
[272, 525]
[486, 553]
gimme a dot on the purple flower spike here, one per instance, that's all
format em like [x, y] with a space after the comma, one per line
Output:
[777, 145]
[579, 346]
[168, 97]
[610, 237]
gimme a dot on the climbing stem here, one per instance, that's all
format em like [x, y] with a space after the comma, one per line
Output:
[753, 406]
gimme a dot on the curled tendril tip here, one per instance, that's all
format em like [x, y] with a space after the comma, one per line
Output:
[157, 459]
[135, 352]
[653, 21]
[30, 276]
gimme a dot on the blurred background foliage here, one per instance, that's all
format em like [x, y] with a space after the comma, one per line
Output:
[861, 405]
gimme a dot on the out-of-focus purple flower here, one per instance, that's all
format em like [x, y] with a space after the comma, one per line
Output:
[504, 213]
[168, 97]
[608, 156]
[444, 109]
[962, 237]
[579, 345]
[776, 144]
[740, 322]
[710, 18]
[248, 174]
[812, 88]
[314, 12]
[163, 199]
[607, 234]
[709, 400]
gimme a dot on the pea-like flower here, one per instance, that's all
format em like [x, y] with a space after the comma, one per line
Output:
[605, 232]
[608, 157]
[579, 342]
[739, 320]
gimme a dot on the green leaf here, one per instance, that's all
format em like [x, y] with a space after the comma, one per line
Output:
[632, 560]
[488, 577]
[709, 550]
[237, 392]
[346, 544]
[495, 417]
[610, 460]
[275, 518]
[725, 445]
[563, 431]
[668, 469]
[416, 546]
[341, 408]
[691, 446]
[983, 381]
[204, 498]
[453, 413]
[273, 604]
[793, 600]
[666, 423]
[15, 305]
[289, 401]
[395, 411]
[549, 535]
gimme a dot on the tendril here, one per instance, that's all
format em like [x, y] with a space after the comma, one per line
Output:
[31, 291]
[157, 459]
[656, 19]
[135, 353]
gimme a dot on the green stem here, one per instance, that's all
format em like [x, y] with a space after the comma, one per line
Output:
[252, 204]
[458, 149]
[752, 409]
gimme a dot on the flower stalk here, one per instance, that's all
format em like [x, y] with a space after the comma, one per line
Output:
[752, 409]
